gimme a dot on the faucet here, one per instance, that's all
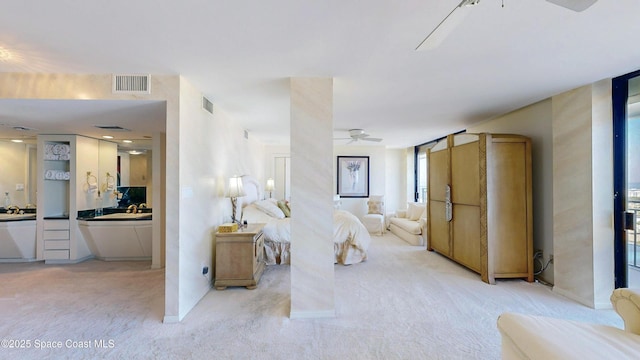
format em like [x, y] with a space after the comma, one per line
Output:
[13, 209]
[132, 209]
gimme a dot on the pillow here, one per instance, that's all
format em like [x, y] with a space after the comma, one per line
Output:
[268, 207]
[375, 207]
[253, 215]
[415, 210]
[284, 207]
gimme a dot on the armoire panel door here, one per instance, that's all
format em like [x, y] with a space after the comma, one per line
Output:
[438, 238]
[508, 210]
[465, 176]
[466, 235]
[438, 174]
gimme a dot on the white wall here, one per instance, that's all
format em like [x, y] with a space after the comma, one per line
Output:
[534, 121]
[377, 178]
[395, 180]
[388, 174]
[272, 152]
[212, 148]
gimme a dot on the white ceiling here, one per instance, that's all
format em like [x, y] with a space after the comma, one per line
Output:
[241, 54]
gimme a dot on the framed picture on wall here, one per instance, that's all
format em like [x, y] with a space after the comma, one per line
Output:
[353, 176]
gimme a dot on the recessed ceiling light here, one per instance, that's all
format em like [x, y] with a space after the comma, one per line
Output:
[16, 140]
[127, 141]
[5, 55]
[135, 152]
[107, 136]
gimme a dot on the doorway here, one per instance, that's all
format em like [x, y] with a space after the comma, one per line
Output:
[626, 154]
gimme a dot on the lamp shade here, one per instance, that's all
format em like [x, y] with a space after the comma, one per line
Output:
[270, 185]
[235, 187]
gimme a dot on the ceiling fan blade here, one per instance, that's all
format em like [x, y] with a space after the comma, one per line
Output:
[371, 139]
[575, 5]
[446, 26]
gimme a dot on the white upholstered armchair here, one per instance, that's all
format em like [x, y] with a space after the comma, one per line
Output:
[374, 220]
[539, 337]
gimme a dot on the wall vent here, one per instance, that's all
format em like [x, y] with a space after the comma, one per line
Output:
[131, 84]
[207, 105]
[246, 134]
[111, 127]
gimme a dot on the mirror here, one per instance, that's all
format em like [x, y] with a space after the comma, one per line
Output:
[19, 164]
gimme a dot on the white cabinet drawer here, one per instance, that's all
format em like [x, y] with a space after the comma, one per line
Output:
[56, 254]
[56, 245]
[56, 235]
[56, 224]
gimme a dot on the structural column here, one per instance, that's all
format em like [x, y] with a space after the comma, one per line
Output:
[312, 257]
[582, 194]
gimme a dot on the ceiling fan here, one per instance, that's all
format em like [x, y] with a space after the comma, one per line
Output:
[358, 134]
[446, 26]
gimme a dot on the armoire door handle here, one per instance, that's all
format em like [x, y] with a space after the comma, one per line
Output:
[448, 207]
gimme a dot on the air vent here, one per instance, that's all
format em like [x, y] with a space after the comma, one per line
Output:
[246, 134]
[207, 105]
[112, 127]
[131, 84]
[22, 128]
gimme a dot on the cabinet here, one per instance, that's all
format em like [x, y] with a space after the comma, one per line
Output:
[56, 239]
[71, 170]
[55, 192]
[479, 211]
[240, 257]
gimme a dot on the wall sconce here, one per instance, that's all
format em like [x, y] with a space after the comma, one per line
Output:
[109, 183]
[92, 183]
[235, 191]
[270, 186]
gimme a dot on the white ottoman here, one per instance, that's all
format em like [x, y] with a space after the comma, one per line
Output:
[374, 223]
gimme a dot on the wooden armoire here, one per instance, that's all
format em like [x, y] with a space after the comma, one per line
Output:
[479, 212]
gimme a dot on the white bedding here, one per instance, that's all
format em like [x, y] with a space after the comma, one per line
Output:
[350, 238]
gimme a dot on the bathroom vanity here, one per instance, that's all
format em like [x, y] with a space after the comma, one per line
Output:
[118, 236]
[72, 171]
[17, 237]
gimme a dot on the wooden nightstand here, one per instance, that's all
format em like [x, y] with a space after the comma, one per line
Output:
[240, 257]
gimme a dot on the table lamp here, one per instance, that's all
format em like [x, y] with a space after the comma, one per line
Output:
[235, 191]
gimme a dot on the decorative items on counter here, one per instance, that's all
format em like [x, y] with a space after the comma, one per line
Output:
[57, 151]
[56, 175]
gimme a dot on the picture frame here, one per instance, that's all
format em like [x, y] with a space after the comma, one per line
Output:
[353, 176]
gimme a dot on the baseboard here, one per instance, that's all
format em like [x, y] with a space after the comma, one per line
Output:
[573, 297]
[312, 314]
[75, 261]
[173, 319]
[18, 260]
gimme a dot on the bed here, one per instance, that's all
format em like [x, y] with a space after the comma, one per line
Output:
[350, 238]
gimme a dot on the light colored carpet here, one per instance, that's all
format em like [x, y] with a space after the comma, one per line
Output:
[403, 303]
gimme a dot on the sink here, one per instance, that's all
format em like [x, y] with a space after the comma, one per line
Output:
[125, 216]
[17, 216]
